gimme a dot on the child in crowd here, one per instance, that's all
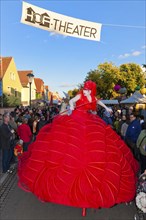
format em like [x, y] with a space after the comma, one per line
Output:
[18, 149]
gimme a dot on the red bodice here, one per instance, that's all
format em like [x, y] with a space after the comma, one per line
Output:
[84, 104]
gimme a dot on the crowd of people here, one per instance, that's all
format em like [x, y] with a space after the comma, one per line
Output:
[132, 129]
[24, 124]
[21, 126]
[77, 152]
[78, 159]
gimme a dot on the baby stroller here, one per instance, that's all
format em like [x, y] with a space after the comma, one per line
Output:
[140, 199]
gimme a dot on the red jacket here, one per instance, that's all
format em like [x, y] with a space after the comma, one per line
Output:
[24, 132]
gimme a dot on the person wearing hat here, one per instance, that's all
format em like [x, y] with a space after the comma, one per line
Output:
[78, 160]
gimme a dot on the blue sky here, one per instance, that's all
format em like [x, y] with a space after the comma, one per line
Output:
[63, 62]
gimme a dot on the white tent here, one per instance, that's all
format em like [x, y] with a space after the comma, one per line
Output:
[143, 100]
[135, 98]
[110, 101]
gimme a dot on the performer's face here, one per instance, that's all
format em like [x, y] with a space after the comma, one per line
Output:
[86, 92]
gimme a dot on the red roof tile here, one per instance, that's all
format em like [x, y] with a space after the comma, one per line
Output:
[23, 76]
[39, 83]
[4, 63]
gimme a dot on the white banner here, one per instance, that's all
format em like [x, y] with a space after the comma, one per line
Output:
[61, 24]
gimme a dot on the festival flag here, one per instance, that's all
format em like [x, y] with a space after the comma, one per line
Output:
[66, 95]
[58, 23]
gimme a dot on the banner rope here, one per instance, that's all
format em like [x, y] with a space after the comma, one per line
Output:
[127, 26]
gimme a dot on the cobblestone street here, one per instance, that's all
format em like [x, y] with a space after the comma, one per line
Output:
[19, 205]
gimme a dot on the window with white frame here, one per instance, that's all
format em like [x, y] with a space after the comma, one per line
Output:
[12, 76]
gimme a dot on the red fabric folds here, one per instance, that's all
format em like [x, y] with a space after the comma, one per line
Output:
[79, 161]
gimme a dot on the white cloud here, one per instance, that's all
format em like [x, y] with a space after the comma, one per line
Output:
[52, 34]
[133, 54]
[66, 85]
[124, 55]
[143, 47]
[57, 34]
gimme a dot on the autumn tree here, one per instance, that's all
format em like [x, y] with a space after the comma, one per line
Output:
[105, 78]
[73, 92]
[107, 75]
[131, 76]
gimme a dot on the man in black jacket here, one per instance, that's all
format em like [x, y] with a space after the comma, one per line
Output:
[6, 136]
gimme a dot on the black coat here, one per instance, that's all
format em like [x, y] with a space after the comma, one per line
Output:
[6, 137]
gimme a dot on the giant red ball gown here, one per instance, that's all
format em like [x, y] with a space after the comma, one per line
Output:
[79, 161]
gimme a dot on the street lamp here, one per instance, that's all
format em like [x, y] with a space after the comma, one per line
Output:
[30, 78]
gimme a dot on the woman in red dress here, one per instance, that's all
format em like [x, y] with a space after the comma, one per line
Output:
[78, 160]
